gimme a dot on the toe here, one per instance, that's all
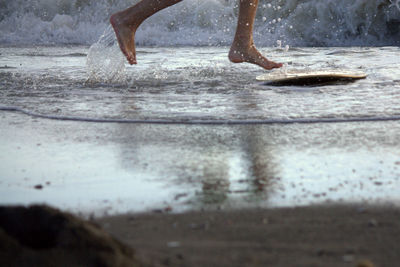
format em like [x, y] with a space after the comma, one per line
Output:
[131, 60]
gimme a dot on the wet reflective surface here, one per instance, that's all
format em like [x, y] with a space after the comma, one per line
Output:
[122, 167]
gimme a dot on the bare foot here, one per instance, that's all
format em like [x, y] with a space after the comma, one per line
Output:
[251, 55]
[126, 38]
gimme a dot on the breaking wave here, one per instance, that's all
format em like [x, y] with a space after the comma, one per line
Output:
[206, 22]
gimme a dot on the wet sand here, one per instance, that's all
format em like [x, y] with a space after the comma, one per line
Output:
[307, 236]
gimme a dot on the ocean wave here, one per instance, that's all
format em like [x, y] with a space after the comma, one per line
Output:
[206, 22]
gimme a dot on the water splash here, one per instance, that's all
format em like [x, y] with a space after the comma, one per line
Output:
[395, 3]
[105, 62]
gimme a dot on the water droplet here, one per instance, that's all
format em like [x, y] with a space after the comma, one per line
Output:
[286, 48]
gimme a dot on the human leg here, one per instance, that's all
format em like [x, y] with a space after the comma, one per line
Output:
[243, 48]
[126, 22]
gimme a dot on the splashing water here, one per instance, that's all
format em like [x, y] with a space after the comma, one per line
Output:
[105, 62]
[395, 3]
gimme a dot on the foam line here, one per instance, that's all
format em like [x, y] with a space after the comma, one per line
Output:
[200, 121]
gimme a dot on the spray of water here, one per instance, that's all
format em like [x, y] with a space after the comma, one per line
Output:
[105, 63]
[395, 3]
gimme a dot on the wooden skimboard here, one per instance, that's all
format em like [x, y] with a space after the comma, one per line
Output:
[310, 77]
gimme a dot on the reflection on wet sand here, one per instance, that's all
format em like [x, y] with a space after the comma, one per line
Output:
[261, 165]
[260, 158]
[213, 164]
[117, 168]
[217, 164]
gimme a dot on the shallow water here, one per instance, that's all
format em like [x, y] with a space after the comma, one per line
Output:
[199, 82]
[91, 167]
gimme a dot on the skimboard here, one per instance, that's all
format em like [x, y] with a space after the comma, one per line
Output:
[310, 77]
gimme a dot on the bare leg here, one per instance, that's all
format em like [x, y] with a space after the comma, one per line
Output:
[126, 22]
[243, 48]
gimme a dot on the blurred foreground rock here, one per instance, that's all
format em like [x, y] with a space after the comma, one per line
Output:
[43, 236]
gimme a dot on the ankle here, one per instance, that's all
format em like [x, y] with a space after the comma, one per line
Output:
[122, 20]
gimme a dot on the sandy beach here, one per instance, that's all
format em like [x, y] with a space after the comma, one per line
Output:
[311, 236]
[351, 235]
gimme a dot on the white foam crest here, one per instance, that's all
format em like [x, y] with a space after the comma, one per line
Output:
[331, 22]
[395, 3]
